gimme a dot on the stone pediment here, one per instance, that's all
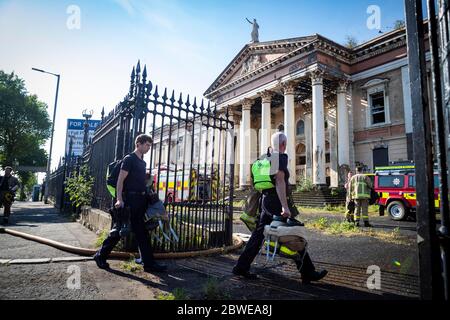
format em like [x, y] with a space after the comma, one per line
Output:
[256, 55]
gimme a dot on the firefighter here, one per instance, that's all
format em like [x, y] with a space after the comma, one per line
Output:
[349, 203]
[274, 203]
[359, 190]
[8, 187]
[131, 195]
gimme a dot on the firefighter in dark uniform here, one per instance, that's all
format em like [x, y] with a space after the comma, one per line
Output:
[8, 187]
[131, 187]
[274, 202]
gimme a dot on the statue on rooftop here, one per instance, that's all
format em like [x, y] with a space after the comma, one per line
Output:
[255, 32]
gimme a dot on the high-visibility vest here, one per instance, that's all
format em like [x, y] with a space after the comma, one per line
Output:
[360, 188]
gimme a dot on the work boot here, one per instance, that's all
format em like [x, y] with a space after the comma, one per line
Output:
[101, 262]
[315, 276]
[155, 267]
[356, 223]
[246, 274]
[367, 224]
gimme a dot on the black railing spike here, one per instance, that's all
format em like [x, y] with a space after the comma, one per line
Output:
[172, 98]
[133, 74]
[195, 103]
[209, 107]
[156, 95]
[180, 100]
[164, 96]
[144, 74]
[202, 107]
[188, 104]
[138, 67]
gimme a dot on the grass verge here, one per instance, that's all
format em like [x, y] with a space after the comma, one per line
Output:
[348, 229]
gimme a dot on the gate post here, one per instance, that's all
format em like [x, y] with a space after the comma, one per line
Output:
[429, 260]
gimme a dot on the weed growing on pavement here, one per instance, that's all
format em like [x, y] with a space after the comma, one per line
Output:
[101, 237]
[180, 294]
[211, 289]
[177, 294]
[131, 266]
[165, 296]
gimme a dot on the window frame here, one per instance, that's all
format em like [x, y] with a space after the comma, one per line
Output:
[373, 87]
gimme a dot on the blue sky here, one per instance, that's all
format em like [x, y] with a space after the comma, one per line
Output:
[185, 43]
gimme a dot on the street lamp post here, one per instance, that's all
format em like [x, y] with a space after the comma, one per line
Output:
[53, 130]
[87, 115]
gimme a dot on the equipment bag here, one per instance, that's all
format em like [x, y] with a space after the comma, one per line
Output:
[261, 173]
[251, 209]
[112, 175]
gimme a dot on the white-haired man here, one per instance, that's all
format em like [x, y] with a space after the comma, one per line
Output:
[274, 202]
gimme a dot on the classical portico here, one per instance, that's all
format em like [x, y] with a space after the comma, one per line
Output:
[296, 86]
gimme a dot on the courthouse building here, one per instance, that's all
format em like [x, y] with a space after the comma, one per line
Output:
[339, 107]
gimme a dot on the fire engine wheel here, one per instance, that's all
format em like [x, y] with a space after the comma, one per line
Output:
[397, 210]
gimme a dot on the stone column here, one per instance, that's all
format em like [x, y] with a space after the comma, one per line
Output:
[234, 154]
[318, 128]
[334, 175]
[289, 128]
[342, 119]
[245, 148]
[308, 141]
[266, 122]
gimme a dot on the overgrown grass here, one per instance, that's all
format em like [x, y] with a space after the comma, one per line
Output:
[373, 210]
[131, 265]
[212, 290]
[348, 229]
[177, 294]
[101, 237]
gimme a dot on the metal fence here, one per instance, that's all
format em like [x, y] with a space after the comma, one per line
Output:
[433, 235]
[191, 163]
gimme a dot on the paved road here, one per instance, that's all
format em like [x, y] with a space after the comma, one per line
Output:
[346, 258]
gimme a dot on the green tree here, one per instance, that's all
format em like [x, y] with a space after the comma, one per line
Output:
[398, 24]
[350, 42]
[24, 127]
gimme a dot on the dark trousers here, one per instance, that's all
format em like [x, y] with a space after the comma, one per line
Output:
[256, 241]
[137, 204]
[6, 204]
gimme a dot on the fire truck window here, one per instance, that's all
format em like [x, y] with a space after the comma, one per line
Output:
[412, 181]
[391, 181]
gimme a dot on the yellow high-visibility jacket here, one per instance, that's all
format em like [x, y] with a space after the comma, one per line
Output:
[360, 186]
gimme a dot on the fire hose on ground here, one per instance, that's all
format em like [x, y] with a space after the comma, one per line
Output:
[237, 243]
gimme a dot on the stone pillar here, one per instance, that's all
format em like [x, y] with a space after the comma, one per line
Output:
[266, 122]
[307, 116]
[235, 155]
[334, 174]
[318, 128]
[245, 148]
[289, 129]
[342, 125]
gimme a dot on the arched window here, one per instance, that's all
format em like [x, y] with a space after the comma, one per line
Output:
[300, 128]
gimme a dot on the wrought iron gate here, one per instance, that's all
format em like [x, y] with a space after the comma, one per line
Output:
[433, 237]
[191, 162]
